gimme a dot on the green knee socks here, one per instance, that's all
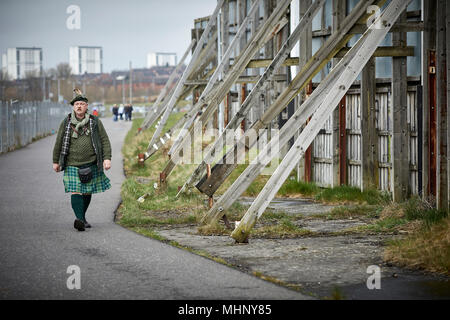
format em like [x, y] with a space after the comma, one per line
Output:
[80, 204]
[86, 200]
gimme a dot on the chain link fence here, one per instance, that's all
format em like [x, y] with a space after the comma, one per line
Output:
[23, 122]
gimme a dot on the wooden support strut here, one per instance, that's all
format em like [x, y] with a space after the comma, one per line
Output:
[269, 151]
[162, 181]
[152, 116]
[401, 129]
[362, 51]
[369, 135]
[334, 43]
[186, 73]
[168, 135]
[198, 67]
[209, 94]
[271, 24]
[219, 70]
[260, 86]
[382, 51]
[210, 199]
[447, 28]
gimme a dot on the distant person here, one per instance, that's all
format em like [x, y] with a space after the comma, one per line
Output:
[115, 111]
[95, 111]
[82, 150]
[128, 111]
[121, 108]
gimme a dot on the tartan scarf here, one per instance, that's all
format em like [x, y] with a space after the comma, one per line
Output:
[79, 124]
[66, 138]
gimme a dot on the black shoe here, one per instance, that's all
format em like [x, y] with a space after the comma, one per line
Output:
[86, 224]
[79, 225]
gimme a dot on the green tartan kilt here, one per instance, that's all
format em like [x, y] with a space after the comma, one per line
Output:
[72, 183]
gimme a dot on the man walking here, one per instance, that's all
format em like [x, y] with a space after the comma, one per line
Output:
[115, 111]
[128, 110]
[82, 149]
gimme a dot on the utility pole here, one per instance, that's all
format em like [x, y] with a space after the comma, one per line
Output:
[131, 84]
[59, 90]
[43, 87]
[123, 89]
[122, 78]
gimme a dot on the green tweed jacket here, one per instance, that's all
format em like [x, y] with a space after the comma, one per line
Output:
[100, 146]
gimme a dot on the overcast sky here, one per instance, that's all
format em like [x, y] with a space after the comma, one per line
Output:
[127, 30]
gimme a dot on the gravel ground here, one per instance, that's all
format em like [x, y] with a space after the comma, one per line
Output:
[325, 265]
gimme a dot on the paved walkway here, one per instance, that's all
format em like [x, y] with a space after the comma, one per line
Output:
[38, 242]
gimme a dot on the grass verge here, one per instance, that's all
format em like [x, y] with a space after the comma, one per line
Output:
[426, 245]
[427, 249]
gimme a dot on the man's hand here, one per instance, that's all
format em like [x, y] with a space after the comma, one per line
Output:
[56, 167]
[106, 164]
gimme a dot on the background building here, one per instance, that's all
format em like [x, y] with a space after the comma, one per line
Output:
[161, 59]
[17, 63]
[86, 59]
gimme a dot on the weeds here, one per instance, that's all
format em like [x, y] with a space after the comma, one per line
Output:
[428, 246]
[283, 229]
[215, 229]
[348, 194]
[418, 209]
[369, 211]
[427, 249]
[298, 187]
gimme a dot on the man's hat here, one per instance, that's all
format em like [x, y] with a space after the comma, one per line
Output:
[78, 96]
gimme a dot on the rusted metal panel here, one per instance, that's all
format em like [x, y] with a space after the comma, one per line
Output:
[342, 142]
[243, 97]
[308, 153]
[226, 113]
[441, 75]
[432, 123]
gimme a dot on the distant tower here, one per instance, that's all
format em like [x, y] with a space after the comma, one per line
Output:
[161, 59]
[86, 59]
[20, 62]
